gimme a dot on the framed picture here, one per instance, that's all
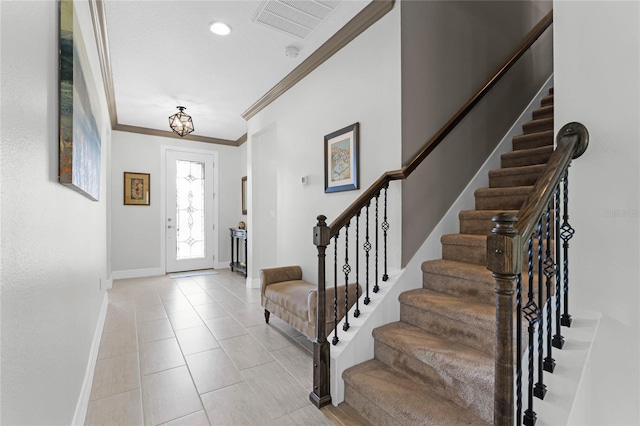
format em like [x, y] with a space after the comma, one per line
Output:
[244, 195]
[136, 189]
[341, 159]
[79, 144]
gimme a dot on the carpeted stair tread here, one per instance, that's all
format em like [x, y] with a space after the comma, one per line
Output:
[403, 400]
[470, 313]
[455, 371]
[457, 360]
[501, 198]
[538, 125]
[460, 279]
[466, 248]
[532, 140]
[547, 100]
[526, 157]
[479, 221]
[515, 176]
[543, 111]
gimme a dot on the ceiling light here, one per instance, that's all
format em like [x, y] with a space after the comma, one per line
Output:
[180, 122]
[220, 28]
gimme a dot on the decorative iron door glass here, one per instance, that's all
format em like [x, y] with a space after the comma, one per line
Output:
[189, 211]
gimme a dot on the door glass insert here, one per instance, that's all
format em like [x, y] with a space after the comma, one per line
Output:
[190, 220]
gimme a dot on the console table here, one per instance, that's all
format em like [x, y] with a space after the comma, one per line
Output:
[236, 236]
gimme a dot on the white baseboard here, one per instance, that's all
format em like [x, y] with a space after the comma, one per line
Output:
[137, 273]
[85, 392]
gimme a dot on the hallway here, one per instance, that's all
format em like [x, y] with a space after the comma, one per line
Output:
[197, 351]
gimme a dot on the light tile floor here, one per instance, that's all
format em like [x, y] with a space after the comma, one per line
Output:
[196, 351]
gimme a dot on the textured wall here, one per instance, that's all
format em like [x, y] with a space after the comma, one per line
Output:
[54, 240]
[449, 48]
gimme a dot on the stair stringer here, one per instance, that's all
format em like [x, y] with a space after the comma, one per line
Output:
[356, 345]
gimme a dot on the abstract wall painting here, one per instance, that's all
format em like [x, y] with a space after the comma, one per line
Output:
[80, 145]
[341, 159]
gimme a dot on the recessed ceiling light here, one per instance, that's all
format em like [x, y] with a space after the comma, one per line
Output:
[220, 28]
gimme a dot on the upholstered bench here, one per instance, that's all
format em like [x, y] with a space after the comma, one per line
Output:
[286, 295]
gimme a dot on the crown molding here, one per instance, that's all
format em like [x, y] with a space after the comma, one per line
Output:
[98, 18]
[356, 26]
[169, 134]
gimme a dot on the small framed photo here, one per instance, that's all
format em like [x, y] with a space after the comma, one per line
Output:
[341, 159]
[136, 189]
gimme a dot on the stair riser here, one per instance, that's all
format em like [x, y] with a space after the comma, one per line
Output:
[538, 126]
[472, 394]
[367, 409]
[547, 100]
[462, 253]
[525, 160]
[543, 112]
[481, 292]
[509, 181]
[474, 337]
[476, 226]
[534, 140]
[500, 202]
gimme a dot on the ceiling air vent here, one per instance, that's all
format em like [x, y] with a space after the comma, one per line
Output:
[294, 17]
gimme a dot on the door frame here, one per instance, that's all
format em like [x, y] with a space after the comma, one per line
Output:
[163, 215]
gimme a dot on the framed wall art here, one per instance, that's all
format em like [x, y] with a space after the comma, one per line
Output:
[341, 159]
[136, 189]
[79, 138]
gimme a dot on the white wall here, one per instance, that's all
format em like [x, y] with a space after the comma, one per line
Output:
[597, 70]
[361, 83]
[54, 240]
[137, 231]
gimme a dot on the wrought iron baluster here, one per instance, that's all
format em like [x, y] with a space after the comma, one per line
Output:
[367, 248]
[335, 290]
[385, 228]
[346, 269]
[531, 315]
[376, 287]
[549, 271]
[566, 232]
[540, 389]
[558, 340]
[519, 346]
[356, 312]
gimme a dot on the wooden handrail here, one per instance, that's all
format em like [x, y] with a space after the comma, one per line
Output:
[505, 246]
[439, 136]
[572, 141]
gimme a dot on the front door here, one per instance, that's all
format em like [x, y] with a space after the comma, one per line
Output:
[189, 211]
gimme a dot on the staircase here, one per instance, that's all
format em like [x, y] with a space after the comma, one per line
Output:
[436, 365]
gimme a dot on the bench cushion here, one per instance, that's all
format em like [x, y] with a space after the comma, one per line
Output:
[292, 296]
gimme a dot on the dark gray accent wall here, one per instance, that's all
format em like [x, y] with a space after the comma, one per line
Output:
[449, 48]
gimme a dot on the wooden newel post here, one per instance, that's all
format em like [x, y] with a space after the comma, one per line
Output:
[504, 259]
[321, 394]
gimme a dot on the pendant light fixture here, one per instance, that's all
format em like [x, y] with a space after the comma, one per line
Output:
[180, 122]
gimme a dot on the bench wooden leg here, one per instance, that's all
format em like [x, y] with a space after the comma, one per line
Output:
[266, 316]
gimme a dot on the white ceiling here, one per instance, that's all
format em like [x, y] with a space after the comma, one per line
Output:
[162, 55]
